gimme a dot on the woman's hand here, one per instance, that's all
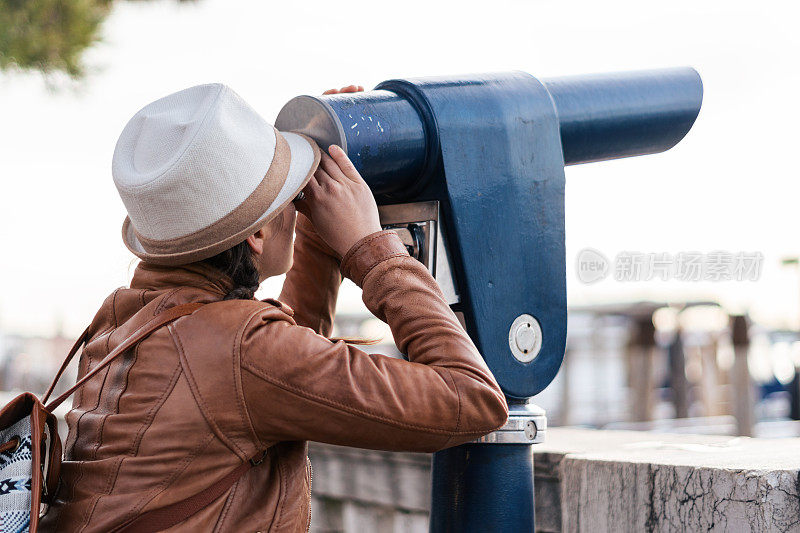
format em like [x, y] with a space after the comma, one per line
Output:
[339, 202]
[348, 89]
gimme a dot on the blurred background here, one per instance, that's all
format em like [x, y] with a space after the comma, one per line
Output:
[705, 354]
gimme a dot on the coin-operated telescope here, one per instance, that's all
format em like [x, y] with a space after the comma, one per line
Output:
[470, 171]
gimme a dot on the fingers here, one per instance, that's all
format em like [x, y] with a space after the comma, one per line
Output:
[344, 164]
[348, 89]
[333, 171]
[312, 186]
[352, 89]
[331, 168]
[315, 188]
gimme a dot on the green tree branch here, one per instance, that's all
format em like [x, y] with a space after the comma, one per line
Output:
[49, 35]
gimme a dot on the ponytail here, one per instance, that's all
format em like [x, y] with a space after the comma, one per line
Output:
[237, 263]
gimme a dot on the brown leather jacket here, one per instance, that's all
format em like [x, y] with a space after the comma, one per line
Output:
[198, 397]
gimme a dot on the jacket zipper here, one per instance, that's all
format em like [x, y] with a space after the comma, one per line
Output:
[310, 483]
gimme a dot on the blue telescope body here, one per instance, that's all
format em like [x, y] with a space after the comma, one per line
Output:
[492, 149]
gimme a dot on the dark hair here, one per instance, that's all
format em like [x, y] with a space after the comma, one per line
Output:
[237, 262]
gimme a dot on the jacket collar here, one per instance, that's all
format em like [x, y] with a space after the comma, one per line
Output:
[200, 275]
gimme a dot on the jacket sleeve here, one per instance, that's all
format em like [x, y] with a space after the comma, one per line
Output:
[299, 385]
[312, 284]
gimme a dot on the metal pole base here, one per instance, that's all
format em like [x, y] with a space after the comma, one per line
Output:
[487, 485]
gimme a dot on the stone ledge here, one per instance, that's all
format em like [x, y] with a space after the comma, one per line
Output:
[630, 481]
[586, 481]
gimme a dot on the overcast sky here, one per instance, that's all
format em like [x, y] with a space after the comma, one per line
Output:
[731, 184]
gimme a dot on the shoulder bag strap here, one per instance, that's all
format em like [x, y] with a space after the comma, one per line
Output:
[161, 319]
[80, 342]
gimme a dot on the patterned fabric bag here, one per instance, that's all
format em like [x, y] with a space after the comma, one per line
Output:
[23, 486]
[30, 448]
[15, 477]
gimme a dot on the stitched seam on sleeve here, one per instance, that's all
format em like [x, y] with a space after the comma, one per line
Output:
[355, 250]
[458, 393]
[346, 264]
[246, 410]
[413, 266]
[379, 261]
[345, 408]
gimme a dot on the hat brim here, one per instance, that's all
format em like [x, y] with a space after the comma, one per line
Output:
[305, 157]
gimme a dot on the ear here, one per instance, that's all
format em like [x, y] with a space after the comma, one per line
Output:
[256, 241]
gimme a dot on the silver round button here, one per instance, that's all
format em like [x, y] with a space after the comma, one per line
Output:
[525, 338]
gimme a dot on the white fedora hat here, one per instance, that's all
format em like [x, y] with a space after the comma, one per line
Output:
[199, 171]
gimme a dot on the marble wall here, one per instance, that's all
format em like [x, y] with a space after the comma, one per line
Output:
[586, 481]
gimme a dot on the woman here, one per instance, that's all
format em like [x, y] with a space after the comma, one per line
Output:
[203, 425]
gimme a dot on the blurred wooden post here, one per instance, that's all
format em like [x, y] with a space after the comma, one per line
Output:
[677, 376]
[565, 388]
[794, 395]
[742, 387]
[640, 366]
[710, 379]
